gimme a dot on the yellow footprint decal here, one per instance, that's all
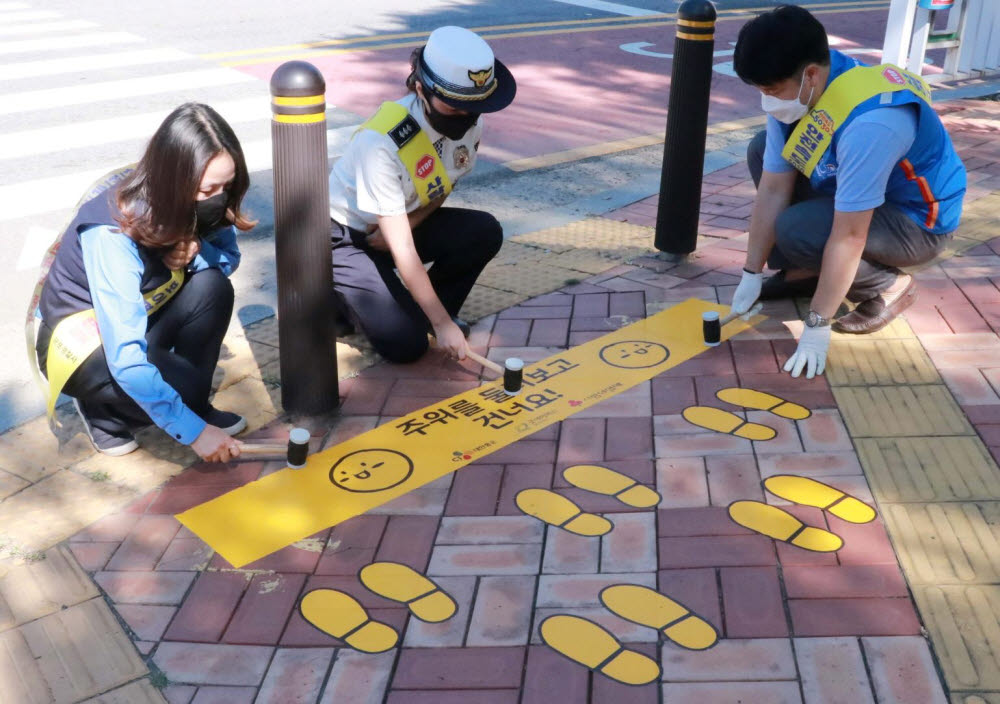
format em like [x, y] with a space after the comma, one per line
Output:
[556, 510]
[601, 480]
[398, 582]
[725, 422]
[761, 401]
[809, 492]
[585, 642]
[648, 607]
[778, 524]
[340, 615]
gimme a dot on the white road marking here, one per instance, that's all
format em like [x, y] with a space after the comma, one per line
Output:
[110, 90]
[614, 7]
[78, 135]
[36, 242]
[46, 195]
[74, 42]
[79, 64]
[8, 18]
[640, 49]
[46, 27]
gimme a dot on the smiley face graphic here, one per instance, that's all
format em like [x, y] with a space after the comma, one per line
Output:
[366, 471]
[634, 354]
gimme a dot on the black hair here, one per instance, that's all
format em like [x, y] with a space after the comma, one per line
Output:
[777, 45]
[157, 199]
[411, 80]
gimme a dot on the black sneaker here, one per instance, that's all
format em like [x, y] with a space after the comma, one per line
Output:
[230, 423]
[463, 326]
[111, 444]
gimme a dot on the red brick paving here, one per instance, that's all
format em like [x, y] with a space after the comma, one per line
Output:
[233, 635]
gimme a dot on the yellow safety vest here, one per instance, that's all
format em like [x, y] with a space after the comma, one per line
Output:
[76, 337]
[415, 150]
[813, 135]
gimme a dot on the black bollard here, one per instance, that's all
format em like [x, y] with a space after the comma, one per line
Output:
[687, 123]
[306, 337]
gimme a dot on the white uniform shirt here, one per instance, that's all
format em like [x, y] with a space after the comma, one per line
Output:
[370, 180]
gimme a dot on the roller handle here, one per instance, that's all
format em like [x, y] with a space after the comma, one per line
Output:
[262, 450]
[488, 363]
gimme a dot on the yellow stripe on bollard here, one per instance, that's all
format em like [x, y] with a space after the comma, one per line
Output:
[696, 37]
[692, 23]
[301, 119]
[299, 101]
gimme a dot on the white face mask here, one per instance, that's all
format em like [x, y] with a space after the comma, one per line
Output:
[787, 111]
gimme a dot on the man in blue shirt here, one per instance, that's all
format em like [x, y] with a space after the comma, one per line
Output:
[856, 177]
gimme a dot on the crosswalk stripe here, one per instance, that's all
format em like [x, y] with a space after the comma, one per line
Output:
[77, 64]
[74, 42]
[126, 88]
[79, 135]
[5, 6]
[28, 16]
[46, 27]
[44, 195]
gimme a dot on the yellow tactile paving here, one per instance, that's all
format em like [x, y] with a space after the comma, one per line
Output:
[513, 251]
[593, 261]
[485, 300]
[900, 411]
[929, 469]
[898, 329]
[879, 362]
[40, 588]
[964, 625]
[141, 692]
[70, 655]
[947, 543]
[529, 278]
[593, 233]
[57, 507]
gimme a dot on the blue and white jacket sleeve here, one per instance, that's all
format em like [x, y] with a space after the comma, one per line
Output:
[114, 273]
[218, 251]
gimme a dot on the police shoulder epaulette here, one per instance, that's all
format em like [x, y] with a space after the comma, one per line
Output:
[404, 131]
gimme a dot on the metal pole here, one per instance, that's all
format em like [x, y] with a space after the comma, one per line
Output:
[306, 338]
[687, 124]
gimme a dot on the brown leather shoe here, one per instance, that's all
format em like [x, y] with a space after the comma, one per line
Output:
[874, 314]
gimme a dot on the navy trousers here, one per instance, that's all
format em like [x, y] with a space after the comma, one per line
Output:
[459, 242]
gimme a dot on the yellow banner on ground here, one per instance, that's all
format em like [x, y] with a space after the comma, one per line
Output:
[377, 466]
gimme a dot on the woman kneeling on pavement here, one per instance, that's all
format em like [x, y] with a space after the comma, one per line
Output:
[137, 300]
[386, 193]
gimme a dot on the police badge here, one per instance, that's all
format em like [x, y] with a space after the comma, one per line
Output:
[461, 156]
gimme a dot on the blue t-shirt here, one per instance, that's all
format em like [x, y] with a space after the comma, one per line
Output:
[114, 273]
[867, 151]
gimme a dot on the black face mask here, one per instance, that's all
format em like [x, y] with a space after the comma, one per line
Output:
[451, 126]
[210, 213]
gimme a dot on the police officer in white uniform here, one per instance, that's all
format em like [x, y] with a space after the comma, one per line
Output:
[386, 193]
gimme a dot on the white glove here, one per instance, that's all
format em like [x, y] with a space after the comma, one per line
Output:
[811, 352]
[747, 292]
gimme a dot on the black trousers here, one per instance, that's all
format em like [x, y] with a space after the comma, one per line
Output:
[183, 342]
[460, 242]
[802, 230]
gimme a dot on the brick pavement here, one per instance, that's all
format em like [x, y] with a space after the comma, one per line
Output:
[796, 626]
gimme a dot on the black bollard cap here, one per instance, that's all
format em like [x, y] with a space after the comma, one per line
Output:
[297, 93]
[692, 10]
[297, 79]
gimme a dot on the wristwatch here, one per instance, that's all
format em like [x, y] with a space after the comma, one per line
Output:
[815, 320]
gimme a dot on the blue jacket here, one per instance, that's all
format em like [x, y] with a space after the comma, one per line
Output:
[928, 184]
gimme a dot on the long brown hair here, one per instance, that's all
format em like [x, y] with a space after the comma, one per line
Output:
[157, 200]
